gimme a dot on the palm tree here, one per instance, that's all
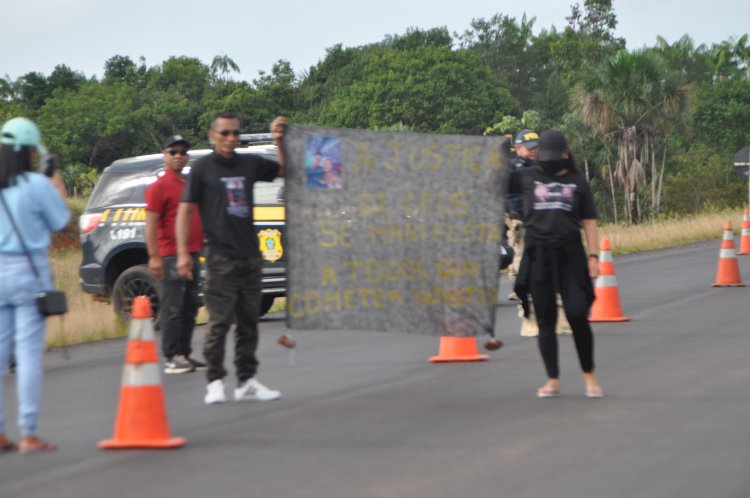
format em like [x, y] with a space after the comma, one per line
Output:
[224, 65]
[731, 59]
[624, 100]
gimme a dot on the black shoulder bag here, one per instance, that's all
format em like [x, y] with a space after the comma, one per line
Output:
[50, 302]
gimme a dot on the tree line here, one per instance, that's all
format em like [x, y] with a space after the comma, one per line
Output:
[654, 128]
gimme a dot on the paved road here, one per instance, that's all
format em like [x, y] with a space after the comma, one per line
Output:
[364, 414]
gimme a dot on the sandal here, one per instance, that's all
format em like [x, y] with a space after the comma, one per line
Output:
[594, 392]
[8, 446]
[35, 445]
[547, 392]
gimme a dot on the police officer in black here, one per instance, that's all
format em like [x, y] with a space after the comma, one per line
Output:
[525, 145]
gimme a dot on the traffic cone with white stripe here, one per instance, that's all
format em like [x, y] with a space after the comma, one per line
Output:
[142, 415]
[745, 237]
[606, 307]
[728, 272]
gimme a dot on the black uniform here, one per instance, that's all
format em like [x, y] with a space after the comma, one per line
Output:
[554, 259]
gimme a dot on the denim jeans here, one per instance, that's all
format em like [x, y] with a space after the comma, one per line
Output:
[20, 321]
[232, 294]
[178, 308]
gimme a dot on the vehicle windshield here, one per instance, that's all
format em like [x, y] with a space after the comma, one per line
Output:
[269, 193]
[120, 188]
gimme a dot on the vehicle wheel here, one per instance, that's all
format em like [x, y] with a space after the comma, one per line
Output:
[135, 281]
[266, 304]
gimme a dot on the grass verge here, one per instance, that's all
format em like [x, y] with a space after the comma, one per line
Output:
[86, 320]
[649, 236]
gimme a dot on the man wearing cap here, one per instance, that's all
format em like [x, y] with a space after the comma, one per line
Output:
[525, 145]
[179, 299]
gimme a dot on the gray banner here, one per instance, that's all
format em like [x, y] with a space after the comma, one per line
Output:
[393, 231]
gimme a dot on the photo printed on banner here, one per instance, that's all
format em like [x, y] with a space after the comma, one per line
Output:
[323, 163]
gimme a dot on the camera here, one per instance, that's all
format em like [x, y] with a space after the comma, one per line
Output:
[49, 164]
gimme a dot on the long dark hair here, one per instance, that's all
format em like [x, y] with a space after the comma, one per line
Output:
[13, 163]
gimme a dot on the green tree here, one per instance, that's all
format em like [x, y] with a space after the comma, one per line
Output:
[122, 69]
[433, 89]
[32, 89]
[587, 40]
[624, 101]
[731, 59]
[92, 126]
[222, 66]
[721, 116]
[256, 105]
[703, 181]
[684, 59]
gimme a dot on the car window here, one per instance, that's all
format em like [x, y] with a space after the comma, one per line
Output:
[269, 193]
[120, 188]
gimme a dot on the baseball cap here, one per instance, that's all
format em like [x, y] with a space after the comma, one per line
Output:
[20, 132]
[527, 138]
[552, 144]
[176, 139]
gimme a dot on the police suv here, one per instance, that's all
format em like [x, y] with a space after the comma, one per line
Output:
[114, 267]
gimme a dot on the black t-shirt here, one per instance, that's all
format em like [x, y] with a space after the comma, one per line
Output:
[514, 202]
[223, 190]
[553, 205]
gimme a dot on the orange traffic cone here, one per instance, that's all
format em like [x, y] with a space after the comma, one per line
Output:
[606, 307]
[745, 237]
[142, 415]
[728, 272]
[458, 349]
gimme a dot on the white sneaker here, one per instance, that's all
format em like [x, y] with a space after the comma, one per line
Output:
[252, 390]
[215, 392]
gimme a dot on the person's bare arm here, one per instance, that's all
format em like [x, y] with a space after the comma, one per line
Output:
[182, 233]
[277, 130]
[591, 231]
[155, 262]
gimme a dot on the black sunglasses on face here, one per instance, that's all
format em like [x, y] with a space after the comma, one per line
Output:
[226, 133]
[173, 152]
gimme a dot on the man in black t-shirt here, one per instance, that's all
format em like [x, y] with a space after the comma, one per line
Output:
[220, 186]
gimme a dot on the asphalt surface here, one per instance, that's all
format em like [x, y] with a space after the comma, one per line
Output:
[365, 415]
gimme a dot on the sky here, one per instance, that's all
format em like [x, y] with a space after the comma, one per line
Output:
[37, 35]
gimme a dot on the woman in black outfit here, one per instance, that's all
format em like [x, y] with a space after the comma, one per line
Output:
[557, 203]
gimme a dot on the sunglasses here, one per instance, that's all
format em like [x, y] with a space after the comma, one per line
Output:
[226, 133]
[173, 152]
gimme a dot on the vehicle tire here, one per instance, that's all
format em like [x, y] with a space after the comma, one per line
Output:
[266, 304]
[135, 281]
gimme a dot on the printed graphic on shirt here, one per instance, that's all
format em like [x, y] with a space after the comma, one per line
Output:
[237, 205]
[554, 196]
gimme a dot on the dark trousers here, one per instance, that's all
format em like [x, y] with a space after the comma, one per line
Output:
[565, 270]
[232, 294]
[178, 308]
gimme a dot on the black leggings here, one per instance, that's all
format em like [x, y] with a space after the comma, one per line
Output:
[566, 272]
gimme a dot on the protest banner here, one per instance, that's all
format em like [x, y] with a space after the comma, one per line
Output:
[393, 231]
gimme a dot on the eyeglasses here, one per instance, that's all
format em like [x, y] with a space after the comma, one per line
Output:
[226, 133]
[173, 152]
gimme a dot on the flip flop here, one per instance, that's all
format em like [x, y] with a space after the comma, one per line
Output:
[595, 393]
[546, 392]
[43, 447]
